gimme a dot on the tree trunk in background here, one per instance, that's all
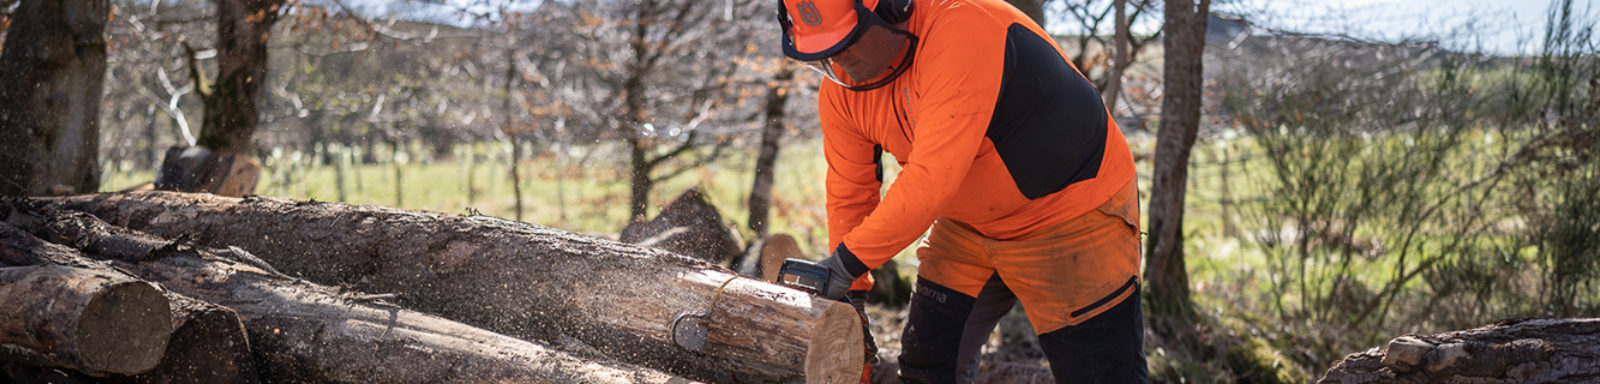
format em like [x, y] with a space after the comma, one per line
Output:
[509, 129]
[640, 183]
[1121, 58]
[1171, 309]
[761, 192]
[243, 27]
[634, 117]
[51, 73]
[1033, 8]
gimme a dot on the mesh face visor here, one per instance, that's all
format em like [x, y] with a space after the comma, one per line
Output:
[826, 40]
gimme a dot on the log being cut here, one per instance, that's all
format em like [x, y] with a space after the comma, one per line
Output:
[303, 332]
[636, 304]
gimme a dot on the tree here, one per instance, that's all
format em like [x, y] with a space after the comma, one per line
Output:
[52, 71]
[231, 115]
[657, 76]
[1171, 308]
[776, 111]
[221, 162]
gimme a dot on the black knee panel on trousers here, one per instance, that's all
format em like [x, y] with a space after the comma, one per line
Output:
[1108, 348]
[946, 330]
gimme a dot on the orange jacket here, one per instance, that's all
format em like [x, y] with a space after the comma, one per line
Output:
[992, 126]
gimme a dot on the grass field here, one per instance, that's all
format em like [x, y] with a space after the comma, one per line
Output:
[591, 196]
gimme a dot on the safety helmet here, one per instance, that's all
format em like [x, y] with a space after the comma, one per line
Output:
[815, 30]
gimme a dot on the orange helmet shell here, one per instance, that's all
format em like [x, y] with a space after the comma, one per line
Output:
[819, 28]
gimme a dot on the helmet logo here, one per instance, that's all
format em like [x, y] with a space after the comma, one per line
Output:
[809, 14]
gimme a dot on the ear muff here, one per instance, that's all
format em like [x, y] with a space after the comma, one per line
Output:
[893, 11]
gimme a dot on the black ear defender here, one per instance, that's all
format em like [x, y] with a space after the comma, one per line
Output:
[893, 11]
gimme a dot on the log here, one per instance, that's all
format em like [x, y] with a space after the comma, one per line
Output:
[18, 373]
[94, 321]
[526, 281]
[1516, 351]
[688, 226]
[208, 342]
[198, 169]
[303, 332]
[208, 345]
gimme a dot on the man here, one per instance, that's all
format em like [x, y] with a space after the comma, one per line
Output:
[1008, 153]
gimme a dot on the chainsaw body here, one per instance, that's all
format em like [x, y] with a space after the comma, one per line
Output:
[804, 275]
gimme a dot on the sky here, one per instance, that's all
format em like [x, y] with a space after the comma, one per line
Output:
[1494, 26]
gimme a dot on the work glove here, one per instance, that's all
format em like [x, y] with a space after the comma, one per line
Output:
[858, 299]
[839, 278]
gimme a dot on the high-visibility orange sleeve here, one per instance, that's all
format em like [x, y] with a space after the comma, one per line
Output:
[852, 180]
[958, 73]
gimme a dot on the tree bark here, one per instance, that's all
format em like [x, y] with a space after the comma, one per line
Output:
[1121, 58]
[52, 70]
[767, 159]
[1519, 351]
[1171, 308]
[231, 116]
[208, 345]
[95, 321]
[525, 281]
[304, 332]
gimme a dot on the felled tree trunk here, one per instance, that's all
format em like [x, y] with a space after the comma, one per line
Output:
[208, 345]
[526, 281]
[303, 332]
[95, 321]
[1530, 351]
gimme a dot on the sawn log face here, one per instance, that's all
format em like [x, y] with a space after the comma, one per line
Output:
[95, 321]
[523, 280]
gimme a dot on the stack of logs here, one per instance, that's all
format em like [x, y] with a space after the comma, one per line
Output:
[166, 287]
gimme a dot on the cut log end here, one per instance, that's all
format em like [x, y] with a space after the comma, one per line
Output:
[125, 329]
[836, 358]
[95, 321]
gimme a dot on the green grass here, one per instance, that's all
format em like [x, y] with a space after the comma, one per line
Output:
[559, 192]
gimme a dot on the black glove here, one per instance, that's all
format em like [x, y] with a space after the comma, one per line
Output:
[858, 299]
[839, 278]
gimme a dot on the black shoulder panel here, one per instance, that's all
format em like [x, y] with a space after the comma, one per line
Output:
[1049, 124]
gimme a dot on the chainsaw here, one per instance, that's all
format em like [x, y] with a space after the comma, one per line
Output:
[803, 275]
